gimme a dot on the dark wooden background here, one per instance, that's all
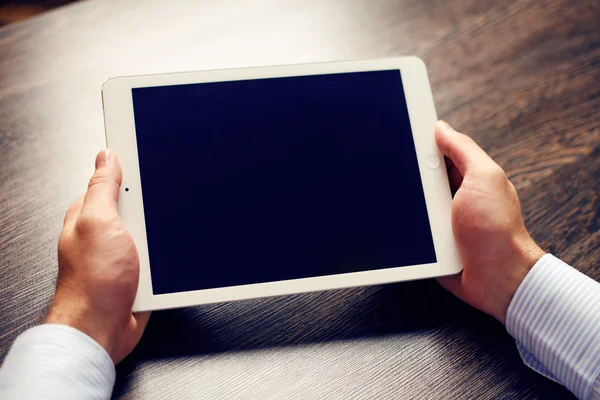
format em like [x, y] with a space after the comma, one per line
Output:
[522, 77]
[12, 11]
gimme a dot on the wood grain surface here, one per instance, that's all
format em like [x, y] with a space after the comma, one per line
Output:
[522, 77]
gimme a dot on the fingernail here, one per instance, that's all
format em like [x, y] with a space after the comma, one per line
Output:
[103, 158]
[445, 126]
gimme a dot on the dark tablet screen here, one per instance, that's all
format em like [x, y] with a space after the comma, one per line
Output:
[272, 179]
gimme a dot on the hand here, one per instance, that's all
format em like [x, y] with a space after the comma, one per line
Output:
[98, 266]
[494, 246]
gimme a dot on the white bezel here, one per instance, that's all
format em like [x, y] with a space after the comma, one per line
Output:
[121, 137]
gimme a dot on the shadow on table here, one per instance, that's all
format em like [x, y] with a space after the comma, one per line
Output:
[295, 319]
[409, 308]
[299, 319]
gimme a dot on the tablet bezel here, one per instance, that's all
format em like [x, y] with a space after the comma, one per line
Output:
[121, 137]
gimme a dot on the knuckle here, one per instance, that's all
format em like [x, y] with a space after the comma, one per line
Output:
[99, 179]
[85, 225]
[496, 173]
[92, 222]
[500, 174]
[68, 215]
[466, 139]
[65, 241]
[73, 209]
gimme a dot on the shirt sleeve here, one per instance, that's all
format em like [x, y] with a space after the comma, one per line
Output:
[596, 390]
[555, 319]
[54, 361]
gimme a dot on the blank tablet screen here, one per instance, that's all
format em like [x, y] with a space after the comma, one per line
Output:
[272, 179]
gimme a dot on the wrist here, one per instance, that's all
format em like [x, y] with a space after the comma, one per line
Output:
[77, 315]
[526, 255]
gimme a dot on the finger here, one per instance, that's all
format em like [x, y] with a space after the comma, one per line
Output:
[454, 175]
[141, 320]
[465, 154]
[73, 212]
[452, 283]
[103, 190]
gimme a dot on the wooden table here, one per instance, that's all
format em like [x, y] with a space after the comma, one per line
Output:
[522, 77]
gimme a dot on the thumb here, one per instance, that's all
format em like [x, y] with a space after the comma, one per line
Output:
[461, 149]
[452, 283]
[103, 189]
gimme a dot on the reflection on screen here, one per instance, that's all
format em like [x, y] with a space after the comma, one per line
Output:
[273, 179]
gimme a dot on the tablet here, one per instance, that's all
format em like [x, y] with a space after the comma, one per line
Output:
[258, 182]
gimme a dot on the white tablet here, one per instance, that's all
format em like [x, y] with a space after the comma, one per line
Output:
[259, 182]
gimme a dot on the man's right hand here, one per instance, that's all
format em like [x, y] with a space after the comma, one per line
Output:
[98, 266]
[496, 250]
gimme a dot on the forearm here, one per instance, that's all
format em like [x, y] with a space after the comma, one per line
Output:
[56, 362]
[555, 318]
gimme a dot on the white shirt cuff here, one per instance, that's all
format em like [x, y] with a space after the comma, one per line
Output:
[54, 361]
[555, 318]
